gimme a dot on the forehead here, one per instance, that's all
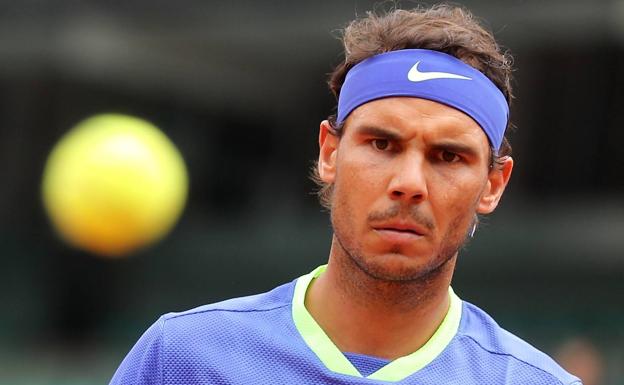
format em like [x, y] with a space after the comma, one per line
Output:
[416, 116]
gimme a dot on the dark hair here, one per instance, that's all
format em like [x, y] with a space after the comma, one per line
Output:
[445, 28]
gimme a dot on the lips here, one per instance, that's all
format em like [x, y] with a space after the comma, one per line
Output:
[400, 232]
[403, 227]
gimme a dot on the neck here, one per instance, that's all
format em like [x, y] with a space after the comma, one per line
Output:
[366, 315]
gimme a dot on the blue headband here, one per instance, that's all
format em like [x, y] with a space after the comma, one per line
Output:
[429, 75]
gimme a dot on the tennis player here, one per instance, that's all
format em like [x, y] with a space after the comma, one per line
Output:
[415, 153]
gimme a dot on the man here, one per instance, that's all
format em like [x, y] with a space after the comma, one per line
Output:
[414, 154]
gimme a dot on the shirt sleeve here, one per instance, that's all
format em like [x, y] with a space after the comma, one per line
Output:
[143, 364]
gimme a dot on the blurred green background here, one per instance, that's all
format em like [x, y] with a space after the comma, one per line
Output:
[240, 89]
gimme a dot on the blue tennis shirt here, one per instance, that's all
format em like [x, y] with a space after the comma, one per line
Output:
[271, 338]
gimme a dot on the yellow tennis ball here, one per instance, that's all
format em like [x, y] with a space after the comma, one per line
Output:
[113, 184]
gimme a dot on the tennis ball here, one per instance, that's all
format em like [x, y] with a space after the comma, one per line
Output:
[114, 184]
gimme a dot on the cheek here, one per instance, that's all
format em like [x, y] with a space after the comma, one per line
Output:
[359, 177]
[357, 186]
[457, 195]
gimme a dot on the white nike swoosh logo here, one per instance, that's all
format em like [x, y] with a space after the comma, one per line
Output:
[415, 75]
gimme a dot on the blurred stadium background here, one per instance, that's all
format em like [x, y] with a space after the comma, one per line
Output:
[239, 87]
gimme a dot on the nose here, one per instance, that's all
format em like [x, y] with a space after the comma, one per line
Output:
[409, 183]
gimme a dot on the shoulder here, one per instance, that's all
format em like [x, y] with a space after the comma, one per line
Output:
[517, 358]
[231, 312]
[279, 297]
[207, 336]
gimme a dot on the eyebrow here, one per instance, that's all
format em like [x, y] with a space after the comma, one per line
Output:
[452, 146]
[456, 147]
[379, 132]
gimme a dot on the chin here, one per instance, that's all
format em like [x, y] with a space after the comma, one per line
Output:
[397, 267]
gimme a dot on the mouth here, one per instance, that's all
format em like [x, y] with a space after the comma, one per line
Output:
[400, 232]
[408, 231]
[401, 227]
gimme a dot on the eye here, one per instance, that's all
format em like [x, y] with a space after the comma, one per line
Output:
[381, 144]
[449, 157]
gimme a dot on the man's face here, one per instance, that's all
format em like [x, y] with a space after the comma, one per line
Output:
[409, 177]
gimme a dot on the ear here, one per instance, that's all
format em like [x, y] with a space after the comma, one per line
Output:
[497, 181]
[328, 143]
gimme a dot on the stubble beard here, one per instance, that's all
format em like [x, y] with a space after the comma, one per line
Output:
[405, 285]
